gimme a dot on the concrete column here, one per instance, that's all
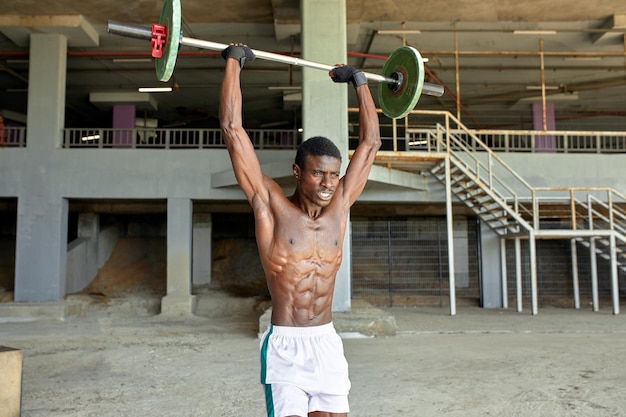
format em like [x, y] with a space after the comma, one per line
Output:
[89, 229]
[41, 246]
[10, 382]
[491, 280]
[124, 119]
[324, 103]
[202, 233]
[544, 143]
[178, 301]
[46, 90]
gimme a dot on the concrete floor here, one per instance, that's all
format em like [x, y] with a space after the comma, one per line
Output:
[107, 362]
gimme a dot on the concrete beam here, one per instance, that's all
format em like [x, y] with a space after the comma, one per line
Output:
[78, 31]
[398, 178]
[280, 169]
[107, 99]
[617, 21]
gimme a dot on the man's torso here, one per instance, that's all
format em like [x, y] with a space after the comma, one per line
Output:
[301, 257]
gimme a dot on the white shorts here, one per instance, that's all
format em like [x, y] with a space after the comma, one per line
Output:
[304, 369]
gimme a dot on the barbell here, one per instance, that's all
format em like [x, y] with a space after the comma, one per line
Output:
[398, 92]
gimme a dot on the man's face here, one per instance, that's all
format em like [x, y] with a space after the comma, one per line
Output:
[318, 179]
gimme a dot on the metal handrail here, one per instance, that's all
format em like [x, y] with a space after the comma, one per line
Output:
[167, 138]
[485, 172]
[13, 137]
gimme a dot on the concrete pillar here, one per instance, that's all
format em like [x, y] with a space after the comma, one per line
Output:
[41, 245]
[544, 143]
[202, 233]
[491, 283]
[10, 382]
[324, 103]
[123, 119]
[46, 90]
[89, 229]
[178, 301]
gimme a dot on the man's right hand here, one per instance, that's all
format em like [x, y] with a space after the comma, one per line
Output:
[240, 52]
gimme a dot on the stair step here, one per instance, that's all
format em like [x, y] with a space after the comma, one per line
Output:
[492, 208]
[437, 168]
[484, 201]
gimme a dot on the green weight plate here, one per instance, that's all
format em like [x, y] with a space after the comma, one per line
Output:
[406, 61]
[170, 18]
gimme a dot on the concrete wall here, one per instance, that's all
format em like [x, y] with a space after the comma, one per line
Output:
[44, 181]
[149, 174]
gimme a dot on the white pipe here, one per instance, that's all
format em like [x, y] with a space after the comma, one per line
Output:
[449, 223]
[503, 275]
[575, 273]
[518, 273]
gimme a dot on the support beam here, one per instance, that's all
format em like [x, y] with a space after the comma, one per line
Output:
[617, 21]
[614, 277]
[503, 274]
[179, 301]
[594, 274]
[533, 273]
[574, 251]
[397, 178]
[78, 31]
[518, 273]
[450, 223]
[282, 169]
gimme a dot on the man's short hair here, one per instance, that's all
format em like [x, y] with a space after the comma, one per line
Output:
[316, 146]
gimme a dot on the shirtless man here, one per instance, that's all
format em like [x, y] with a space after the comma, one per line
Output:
[300, 239]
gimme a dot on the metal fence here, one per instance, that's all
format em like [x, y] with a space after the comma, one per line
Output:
[13, 137]
[406, 261]
[158, 138]
[406, 138]
[553, 141]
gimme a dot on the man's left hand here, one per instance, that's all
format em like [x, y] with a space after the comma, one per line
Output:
[346, 73]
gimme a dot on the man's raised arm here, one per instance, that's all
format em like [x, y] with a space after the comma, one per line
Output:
[369, 133]
[243, 157]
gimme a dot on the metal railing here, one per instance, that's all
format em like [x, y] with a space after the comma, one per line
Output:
[574, 207]
[558, 141]
[406, 136]
[553, 141]
[163, 138]
[475, 158]
[13, 137]
[599, 218]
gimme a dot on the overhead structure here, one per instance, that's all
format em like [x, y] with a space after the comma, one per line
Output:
[402, 82]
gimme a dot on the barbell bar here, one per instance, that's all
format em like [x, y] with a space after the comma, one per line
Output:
[399, 91]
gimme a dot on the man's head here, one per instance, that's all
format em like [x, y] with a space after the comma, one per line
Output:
[316, 146]
[317, 166]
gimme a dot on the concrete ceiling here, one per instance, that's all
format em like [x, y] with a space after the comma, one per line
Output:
[470, 45]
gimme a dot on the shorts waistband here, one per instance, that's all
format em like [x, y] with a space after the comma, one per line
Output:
[303, 331]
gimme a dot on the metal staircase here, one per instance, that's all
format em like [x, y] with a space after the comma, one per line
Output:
[513, 209]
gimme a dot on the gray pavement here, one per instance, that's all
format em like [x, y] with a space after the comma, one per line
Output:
[480, 362]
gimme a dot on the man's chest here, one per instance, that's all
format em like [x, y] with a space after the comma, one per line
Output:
[300, 234]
